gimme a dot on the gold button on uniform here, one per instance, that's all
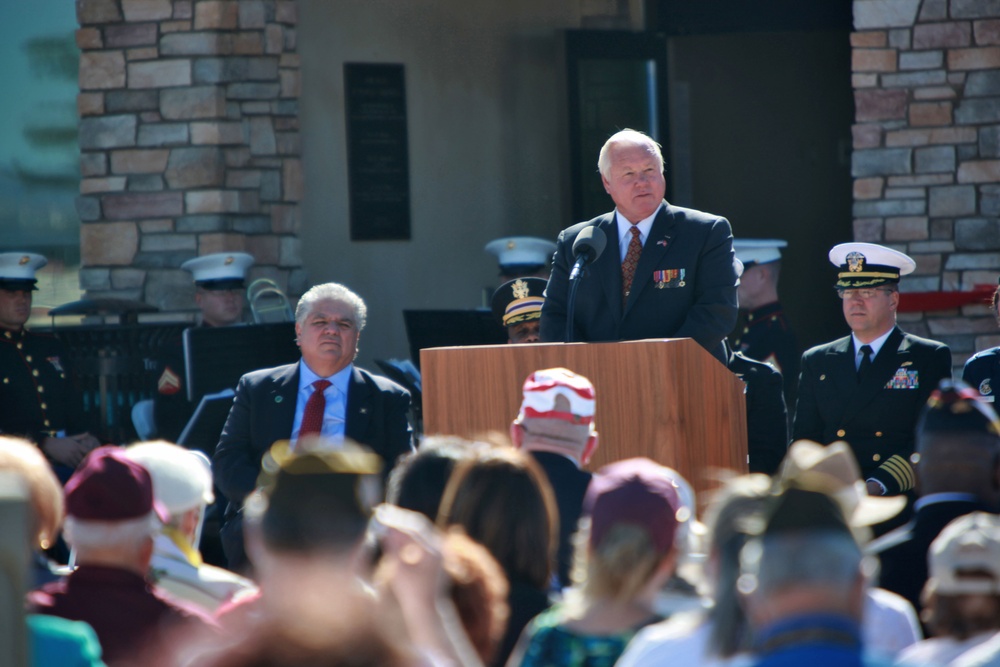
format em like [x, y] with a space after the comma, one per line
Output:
[876, 457]
[41, 390]
[47, 422]
[841, 433]
[35, 373]
[28, 358]
[822, 377]
[878, 434]
[44, 407]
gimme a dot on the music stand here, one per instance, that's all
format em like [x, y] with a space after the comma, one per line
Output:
[450, 328]
[217, 357]
[205, 426]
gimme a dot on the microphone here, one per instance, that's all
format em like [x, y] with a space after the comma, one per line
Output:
[587, 247]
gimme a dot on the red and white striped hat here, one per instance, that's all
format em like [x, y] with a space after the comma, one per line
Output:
[543, 389]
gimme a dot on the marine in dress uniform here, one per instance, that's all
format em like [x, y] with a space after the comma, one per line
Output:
[219, 283]
[982, 371]
[765, 335]
[37, 398]
[517, 305]
[873, 405]
[522, 256]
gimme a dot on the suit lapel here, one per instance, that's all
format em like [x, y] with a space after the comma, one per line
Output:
[608, 267]
[653, 251]
[358, 410]
[883, 367]
[283, 395]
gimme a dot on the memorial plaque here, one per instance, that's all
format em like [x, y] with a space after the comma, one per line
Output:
[378, 169]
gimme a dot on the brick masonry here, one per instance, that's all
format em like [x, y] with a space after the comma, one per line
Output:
[189, 142]
[926, 79]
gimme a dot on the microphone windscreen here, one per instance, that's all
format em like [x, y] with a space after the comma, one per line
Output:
[590, 242]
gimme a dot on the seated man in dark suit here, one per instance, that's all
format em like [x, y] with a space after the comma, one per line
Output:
[556, 426]
[323, 394]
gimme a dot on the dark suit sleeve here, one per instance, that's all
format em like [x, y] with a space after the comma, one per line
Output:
[553, 325]
[713, 314]
[767, 420]
[808, 422]
[399, 433]
[236, 463]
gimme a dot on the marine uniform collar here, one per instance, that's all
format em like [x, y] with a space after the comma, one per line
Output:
[14, 336]
[764, 311]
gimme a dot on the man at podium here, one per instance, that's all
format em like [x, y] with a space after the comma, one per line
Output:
[667, 271]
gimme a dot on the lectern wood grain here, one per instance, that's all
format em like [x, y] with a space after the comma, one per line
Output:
[666, 399]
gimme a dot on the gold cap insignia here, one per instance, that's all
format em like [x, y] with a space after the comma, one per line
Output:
[229, 260]
[24, 260]
[855, 262]
[520, 289]
[511, 245]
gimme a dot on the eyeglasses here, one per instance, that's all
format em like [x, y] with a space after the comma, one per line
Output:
[865, 294]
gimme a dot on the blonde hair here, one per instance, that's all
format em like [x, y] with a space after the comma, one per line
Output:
[46, 496]
[619, 567]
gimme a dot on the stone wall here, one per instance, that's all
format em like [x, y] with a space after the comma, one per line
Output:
[926, 161]
[189, 143]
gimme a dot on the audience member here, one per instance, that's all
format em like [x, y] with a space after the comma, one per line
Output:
[502, 500]
[111, 520]
[418, 480]
[868, 388]
[324, 394]
[717, 636]
[958, 472]
[182, 483]
[37, 398]
[625, 553]
[517, 306]
[962, 595]
[982, 370]
[667, 271]
[46, 496]
[803, 584]
[555, 425]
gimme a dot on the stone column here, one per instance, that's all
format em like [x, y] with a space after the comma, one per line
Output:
[189, 143]
[926, 163]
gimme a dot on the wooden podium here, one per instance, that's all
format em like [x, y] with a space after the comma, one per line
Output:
[669, 399]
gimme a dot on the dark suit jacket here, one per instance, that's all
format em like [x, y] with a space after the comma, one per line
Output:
[569, 483]
[877, 417]
[903, 552]
[767, 417]
[264, 409]
[698, 301]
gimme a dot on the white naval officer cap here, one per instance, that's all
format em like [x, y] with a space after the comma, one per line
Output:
[17, 270]
[182, 478]
[521, 253]
[758, 251]
[869, 265]
[220, 270]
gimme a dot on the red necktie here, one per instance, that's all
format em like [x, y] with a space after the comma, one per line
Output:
[312, 418]
[631, 261]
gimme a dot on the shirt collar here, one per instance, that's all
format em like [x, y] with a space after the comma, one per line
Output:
[644, 225]
[339, 380]
[875, 345]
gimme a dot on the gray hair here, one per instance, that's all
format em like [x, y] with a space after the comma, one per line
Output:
[332, 292]
[86, 534]
[825, 558]
[627, 136]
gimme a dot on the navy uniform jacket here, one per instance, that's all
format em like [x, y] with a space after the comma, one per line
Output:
[684, 285]
[982, 373]
[767, 416]
[264, 409]
[37, 398]
[768, 337]
[878, 417]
